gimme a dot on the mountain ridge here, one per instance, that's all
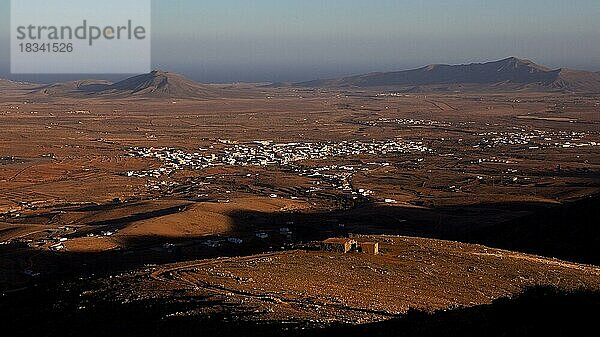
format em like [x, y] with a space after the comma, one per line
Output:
[509, 73]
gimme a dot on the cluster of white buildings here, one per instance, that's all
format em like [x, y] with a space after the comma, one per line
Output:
[411, 122]
[535, 139]
[393, 94]
[268, 153]
[289, 156]
[55, 240]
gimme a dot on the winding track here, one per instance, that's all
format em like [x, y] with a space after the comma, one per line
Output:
[180, 273]
[184, 274]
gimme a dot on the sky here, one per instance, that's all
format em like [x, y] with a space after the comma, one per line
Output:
[293, 40]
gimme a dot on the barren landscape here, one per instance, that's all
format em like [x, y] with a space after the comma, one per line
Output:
[215, 206]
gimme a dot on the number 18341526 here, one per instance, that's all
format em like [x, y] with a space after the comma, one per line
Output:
[57, 47]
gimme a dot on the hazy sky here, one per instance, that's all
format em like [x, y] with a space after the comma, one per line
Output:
[291, 40]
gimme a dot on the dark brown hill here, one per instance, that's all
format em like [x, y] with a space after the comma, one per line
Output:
[161, 84]
[156, 84]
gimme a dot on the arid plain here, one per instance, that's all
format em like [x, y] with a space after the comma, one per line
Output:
[143, 199]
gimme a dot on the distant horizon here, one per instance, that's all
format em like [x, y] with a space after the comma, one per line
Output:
[49, 79]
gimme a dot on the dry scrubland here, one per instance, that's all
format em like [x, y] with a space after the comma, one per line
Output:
[99, 186]
[409, 273]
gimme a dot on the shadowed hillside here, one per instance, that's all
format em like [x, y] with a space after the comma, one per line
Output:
[567, 231]
[536, 312]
